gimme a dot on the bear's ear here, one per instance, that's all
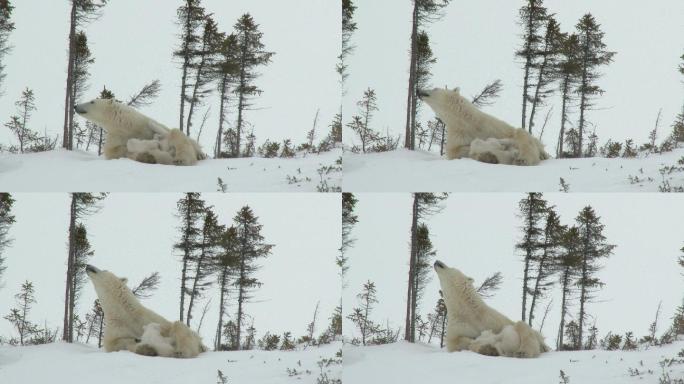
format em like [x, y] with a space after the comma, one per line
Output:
[457, 89]
[123, 280]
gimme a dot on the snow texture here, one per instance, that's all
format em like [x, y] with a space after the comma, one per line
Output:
[83, 364]
[420, 171]
[65, 171]
[403, 362]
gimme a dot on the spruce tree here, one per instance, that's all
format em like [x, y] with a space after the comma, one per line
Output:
[252, 55]
[226, 70]
[360, 123]
[349, 220]
[226, 265]
[533, 209]
[569, 74]
[81, 206]
[6, 221]
[424, 61]
[545, 264]
[424, 205]
[191, 210]
[593, 247]
[6, 27]
[425, 254]
[568, 266]
[533, 16]
[81, 74]
[191, 17]
[18, 317]
[206, 58]
[18, 123]
[423, 13]
[360, 316]
[593, 55]
[348, 28]
[548, 55]
[250, 247]
[207, 251]
[82, 12]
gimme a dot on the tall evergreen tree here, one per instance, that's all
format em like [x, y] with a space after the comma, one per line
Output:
[81, 206]
[349, 220]
[548, 56]
[569, 263]
[6, 27]
[424, 12]
[569, 74]
[226, 72]
[207, 251]
[533, 209]
[546, 263]
[226, 263]
[251, 247]
[424, 61]
[425, 253]
[252, 55]
[191, 17]
[593, 247]
[6, 221]
[82, 12]
[191, 210]
[533, 16]
[348, 28]
[424, 205]
[593, 55]
[81, 74]
[204, 67]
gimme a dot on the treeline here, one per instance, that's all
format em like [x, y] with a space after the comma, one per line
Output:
[211, 62]
[211, 255]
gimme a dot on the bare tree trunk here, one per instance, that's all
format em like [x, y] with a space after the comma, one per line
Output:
[241, 289]
[583, 101]
[583, 290]
[195, 88]
[561, 134]
[68, 101]
[68, 305]
[537, 89]
[222, 116]
[219, 327]
[241, 102]
[561, 327]
[409, 331]
[408, 142]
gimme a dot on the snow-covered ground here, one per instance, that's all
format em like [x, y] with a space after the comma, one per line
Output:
[403, 362]
[421, 171]
[68, 171]
[78, 363]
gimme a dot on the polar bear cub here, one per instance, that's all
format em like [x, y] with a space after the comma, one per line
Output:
[477, 135]
[473, 325]
[131, 326]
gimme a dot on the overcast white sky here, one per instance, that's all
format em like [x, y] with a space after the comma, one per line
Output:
[133, 236]
[476, 233]
[475, 43]
[133, 44]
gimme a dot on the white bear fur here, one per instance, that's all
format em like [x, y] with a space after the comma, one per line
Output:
[473, 325]
[135, 136]
[478, 135]
[127, 321]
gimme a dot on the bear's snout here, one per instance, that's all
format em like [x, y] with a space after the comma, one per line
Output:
[89, 268]
[439, 264]
[422, 93]
[80, 110]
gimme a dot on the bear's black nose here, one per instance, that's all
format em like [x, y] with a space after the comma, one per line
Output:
[439, 264]
[79, 110]
[90, 268]
[421, 93]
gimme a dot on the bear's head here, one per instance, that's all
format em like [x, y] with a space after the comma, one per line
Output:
[441, 100]
[110, 289]
[96, 110]
[452, 281]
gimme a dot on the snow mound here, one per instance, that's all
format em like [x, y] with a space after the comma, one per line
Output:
[68, 171]
[83, 364]
[403, 362]
[420, 171]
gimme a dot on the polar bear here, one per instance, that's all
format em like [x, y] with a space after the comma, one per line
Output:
[130, 326]
[473, 325]
[135, 136]
[477, 135]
